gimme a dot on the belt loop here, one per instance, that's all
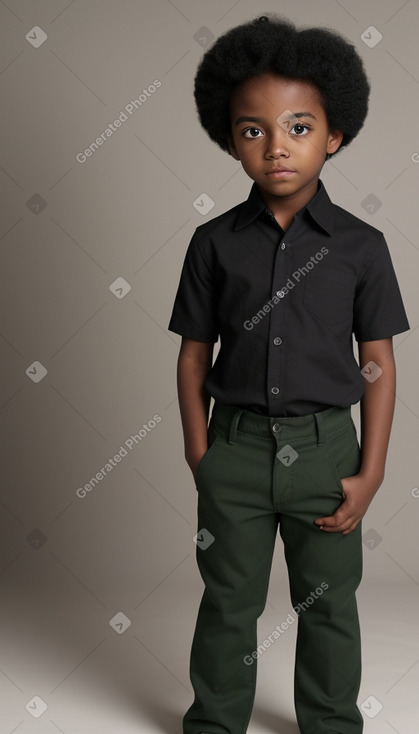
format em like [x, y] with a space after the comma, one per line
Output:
[321, 434]
[233, 426]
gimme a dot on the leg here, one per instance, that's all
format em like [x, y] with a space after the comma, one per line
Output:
[234, 505]
[324, 571]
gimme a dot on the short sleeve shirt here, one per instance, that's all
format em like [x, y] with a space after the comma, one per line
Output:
[285, 305]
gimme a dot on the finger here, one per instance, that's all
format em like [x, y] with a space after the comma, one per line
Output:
[336, 523]
[352, 528]
[333, 520]
[324, 520]
[343, 527]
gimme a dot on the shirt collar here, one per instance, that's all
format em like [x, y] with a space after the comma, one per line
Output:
[319, 207]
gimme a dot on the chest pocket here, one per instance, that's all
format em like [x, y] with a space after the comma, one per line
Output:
[329, 294]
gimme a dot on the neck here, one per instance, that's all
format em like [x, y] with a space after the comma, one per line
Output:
[285, 207]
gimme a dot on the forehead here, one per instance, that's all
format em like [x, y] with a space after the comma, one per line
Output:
[273, 93]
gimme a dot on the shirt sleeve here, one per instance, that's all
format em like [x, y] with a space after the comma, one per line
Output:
[378, 308]
[194, 313]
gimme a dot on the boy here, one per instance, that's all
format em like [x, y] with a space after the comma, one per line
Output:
[285, 279]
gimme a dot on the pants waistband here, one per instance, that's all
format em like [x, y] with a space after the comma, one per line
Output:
[232, 419]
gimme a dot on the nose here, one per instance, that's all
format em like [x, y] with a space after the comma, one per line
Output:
[277, 143]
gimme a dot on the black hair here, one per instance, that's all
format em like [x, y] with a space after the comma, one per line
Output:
[272, 44]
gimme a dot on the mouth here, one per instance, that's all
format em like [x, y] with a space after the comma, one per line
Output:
[279, 172]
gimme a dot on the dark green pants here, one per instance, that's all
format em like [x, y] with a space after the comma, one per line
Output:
[259, 472]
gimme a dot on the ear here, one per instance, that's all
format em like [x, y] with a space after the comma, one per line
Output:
[232, 148]
[334, 140]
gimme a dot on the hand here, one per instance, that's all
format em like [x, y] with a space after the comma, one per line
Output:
[358, 491]
[194, 459]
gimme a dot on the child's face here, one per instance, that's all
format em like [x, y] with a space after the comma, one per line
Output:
[279, 123]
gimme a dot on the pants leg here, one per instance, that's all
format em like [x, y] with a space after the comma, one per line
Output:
[234, 505]
[324, 570]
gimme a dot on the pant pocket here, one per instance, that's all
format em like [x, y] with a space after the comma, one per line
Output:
[213, 439]
[344, 454]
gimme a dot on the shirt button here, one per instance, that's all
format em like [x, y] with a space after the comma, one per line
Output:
[280, 294]
[283, 246]
[276, 427]
[275, 390]
[277, 341]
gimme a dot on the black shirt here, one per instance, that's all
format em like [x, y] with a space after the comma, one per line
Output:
[285, 305]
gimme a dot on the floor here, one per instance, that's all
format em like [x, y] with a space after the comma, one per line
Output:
[134, 677]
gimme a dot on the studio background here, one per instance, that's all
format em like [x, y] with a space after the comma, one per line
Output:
[99, 589]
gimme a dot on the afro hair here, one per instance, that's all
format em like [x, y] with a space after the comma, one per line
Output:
[275, 45]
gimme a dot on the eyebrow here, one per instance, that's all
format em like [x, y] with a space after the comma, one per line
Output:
[259, 119]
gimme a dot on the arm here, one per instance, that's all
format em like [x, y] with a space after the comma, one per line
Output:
[377, 408]
[194, 363]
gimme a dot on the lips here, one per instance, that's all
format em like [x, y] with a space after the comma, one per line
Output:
[280, 174]
[280, 170]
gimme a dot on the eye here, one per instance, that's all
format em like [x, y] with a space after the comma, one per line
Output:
[300, 129]
[252, 132]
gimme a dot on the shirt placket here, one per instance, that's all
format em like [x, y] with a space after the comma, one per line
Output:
[277, 343]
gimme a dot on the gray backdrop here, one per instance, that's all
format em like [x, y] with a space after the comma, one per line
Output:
[99, 587]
